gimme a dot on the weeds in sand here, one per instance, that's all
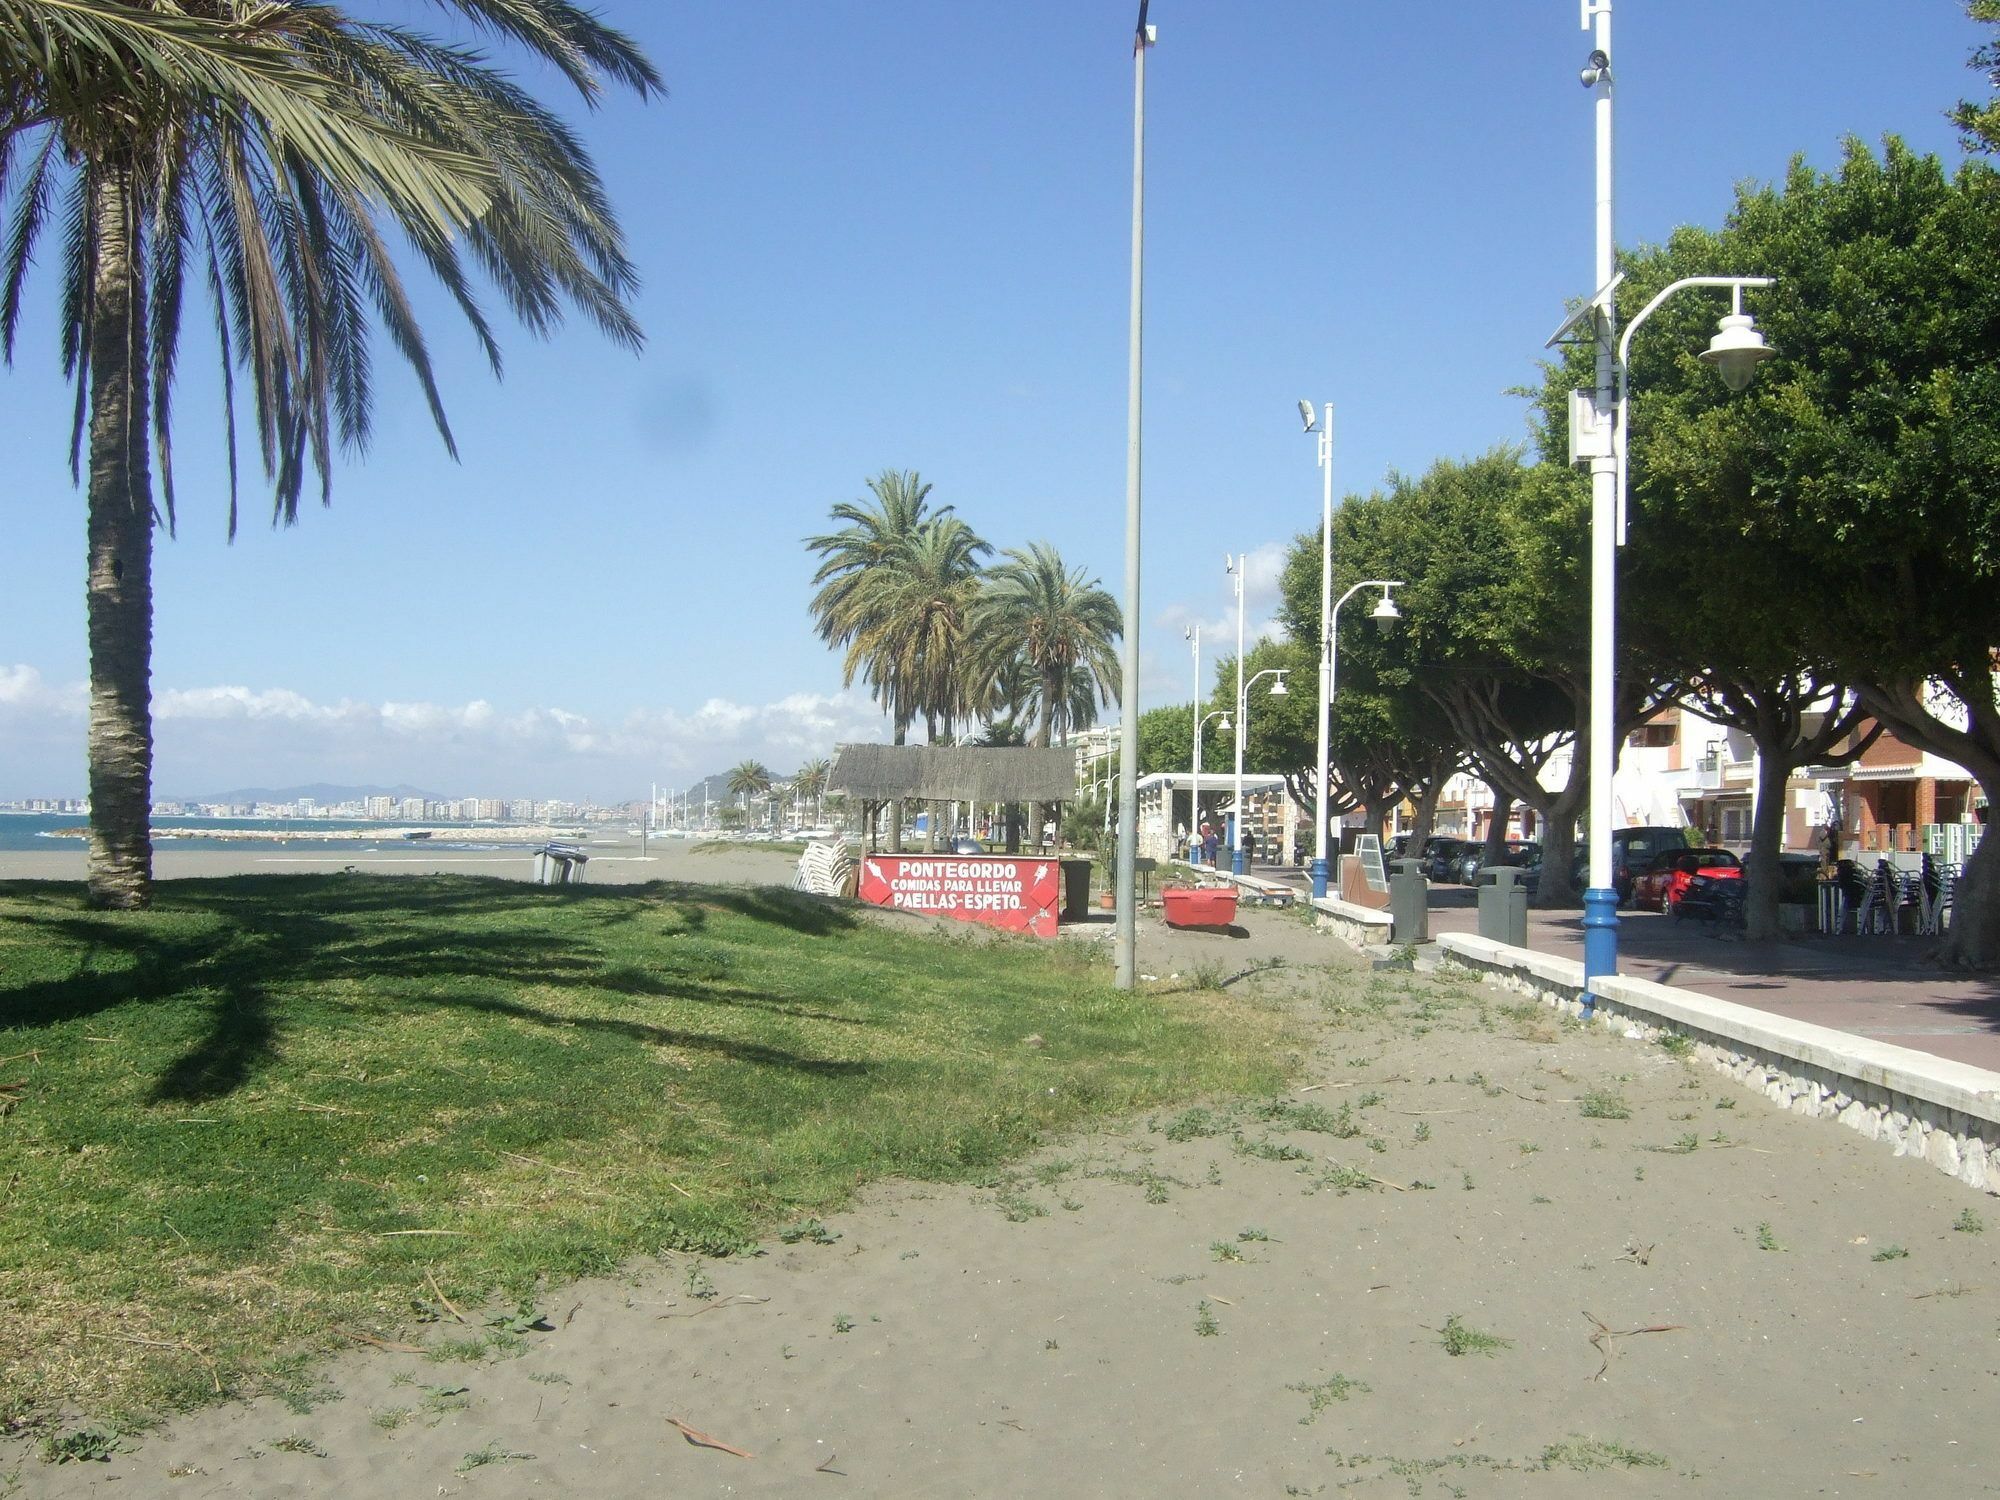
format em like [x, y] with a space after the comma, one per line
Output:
[1458, 1339]
[698, 1285]
[389, 1418]
[1213, 1176]
[1291, 1114]
[1050, 1346]
[1604, 1104]
[1369, 1100]
[1253, 1233]
[83, 1445]
[807, 1229]
[1223, 1250]
[842, 1323]
[1725, 1103]
[1204, 1320]
[1683, 1145]
[1590, 1453]
[1423, 1130]
[1071, 1204]
[1891, 1252]
[440, 1399]
[1466, 1178]
[1319, 1397]
[492, 1453]
[1766, 1240]
[1638, 1174]
[293, 1442]
[1269, 1150]
[1018, 1208]
[467, 1351]
[1538, 1198]
[1192, 1124]
[1969, 1222]
[1676, 1044]
[1344, 1179]
[1529, 1148]
[293, 1379]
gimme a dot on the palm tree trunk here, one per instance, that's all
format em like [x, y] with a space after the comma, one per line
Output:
[119, 598]
[896, 803]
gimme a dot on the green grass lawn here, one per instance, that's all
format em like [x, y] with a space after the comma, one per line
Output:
[264, 1116]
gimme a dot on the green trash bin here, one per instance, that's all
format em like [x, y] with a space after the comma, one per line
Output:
[1409, 904]
[1503, 906]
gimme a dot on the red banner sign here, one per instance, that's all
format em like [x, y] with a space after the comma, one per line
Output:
[999, 890]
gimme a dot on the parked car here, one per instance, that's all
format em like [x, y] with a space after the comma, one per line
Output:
[1518, 853]
[1660, 886]
[1441, 857]
[1632, 850]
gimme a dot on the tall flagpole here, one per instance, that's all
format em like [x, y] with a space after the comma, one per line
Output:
[1128, 717]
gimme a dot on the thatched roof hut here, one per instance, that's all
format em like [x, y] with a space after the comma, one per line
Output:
[953, 773]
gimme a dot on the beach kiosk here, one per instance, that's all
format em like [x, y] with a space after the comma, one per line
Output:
[1016, 892]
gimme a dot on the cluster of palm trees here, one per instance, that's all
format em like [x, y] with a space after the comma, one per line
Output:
[903, 592]
[752, 781]
[274, 160]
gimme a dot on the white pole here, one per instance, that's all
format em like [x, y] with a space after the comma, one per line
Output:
[1323, 765]
[1194, 778]
[1600, 922]
[1242, 715]
[1127, 966]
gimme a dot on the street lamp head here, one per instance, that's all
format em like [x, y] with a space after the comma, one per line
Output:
[1224, 725]
[1736, 350]
[1278, 689]
[1385, 612]
[1306, 414]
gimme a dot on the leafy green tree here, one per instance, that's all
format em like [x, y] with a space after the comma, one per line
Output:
[1166, 739]
[1980, 122]
[1390, 740]
[272, 154]
[1864, 464]
[809, 783]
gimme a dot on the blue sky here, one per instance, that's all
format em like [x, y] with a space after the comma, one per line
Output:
[894, 234]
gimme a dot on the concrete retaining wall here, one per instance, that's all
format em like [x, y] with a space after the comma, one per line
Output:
[1363, 926]
[1941, 1112]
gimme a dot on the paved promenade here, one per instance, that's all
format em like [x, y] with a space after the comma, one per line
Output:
[1878, 987]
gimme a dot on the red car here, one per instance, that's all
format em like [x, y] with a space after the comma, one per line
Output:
[1660, 886]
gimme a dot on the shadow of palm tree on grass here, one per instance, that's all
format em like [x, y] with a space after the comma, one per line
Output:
[255, 950]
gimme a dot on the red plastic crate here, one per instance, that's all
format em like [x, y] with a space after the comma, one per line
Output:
[1208, 906]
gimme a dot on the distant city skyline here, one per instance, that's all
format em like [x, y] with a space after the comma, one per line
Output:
[869, 242]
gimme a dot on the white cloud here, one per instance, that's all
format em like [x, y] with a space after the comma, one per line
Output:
[23, 691]
[214, 738]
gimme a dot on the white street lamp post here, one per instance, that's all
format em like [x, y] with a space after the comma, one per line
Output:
[1201, 719]
[1384, 614]
[1323, 763]
[1242, 734]
[1597, 435]
[1127, 963]
[1193, 634]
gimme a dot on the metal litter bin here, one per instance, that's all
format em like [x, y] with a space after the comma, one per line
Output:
[1503, 906]
[1409, 904]
[559, 864]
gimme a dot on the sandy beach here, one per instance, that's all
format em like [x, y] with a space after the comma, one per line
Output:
[1687, 1291]
[615, 858]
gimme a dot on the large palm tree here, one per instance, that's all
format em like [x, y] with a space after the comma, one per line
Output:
[895, 590]
[809, 781]
[1047, 645]
[749, 779]
[270, 153]
[1048, 639]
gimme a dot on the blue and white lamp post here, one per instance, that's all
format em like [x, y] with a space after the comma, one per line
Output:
[1598, 423]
